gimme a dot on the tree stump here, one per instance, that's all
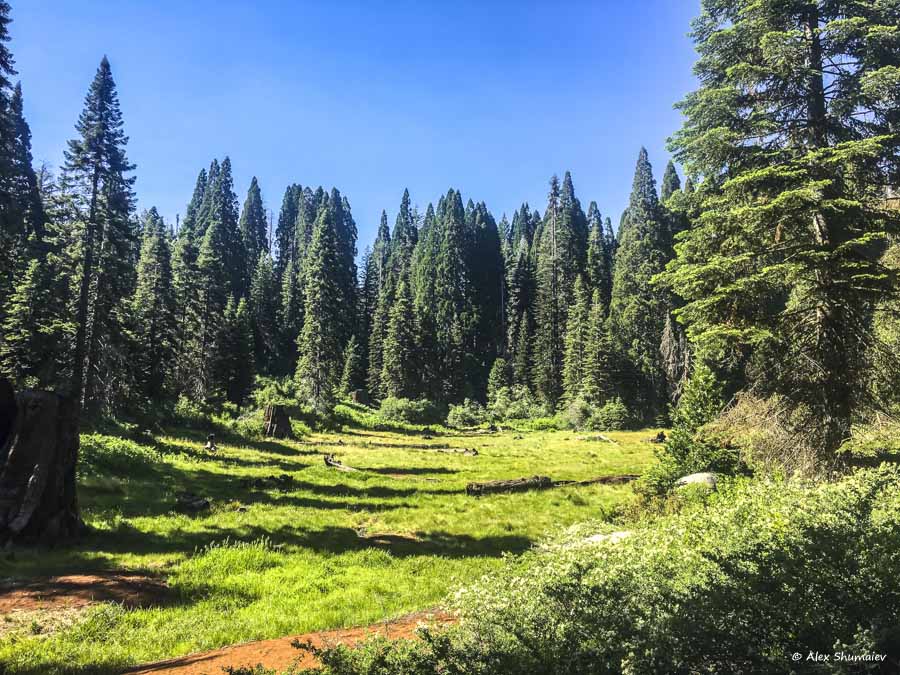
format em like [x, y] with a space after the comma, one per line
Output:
[278, 422]
[360, 397]
[38, 454]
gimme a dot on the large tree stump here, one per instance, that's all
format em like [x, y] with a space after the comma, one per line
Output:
[278, 422]
[38, 453]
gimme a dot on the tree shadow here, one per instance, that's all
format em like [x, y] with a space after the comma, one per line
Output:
[411, 470]
[371, 491]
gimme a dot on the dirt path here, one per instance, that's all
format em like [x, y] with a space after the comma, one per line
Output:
[279, 654]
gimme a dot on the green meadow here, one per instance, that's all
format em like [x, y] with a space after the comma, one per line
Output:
[290, 545]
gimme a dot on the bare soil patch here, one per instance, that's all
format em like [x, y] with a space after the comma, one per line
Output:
[79, 590]
[278, 654]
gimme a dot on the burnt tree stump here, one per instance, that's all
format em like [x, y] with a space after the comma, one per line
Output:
[278, 422]
[38, 454]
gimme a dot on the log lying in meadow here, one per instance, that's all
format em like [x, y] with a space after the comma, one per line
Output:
[514, 485]
[330, 461]
[540, 483]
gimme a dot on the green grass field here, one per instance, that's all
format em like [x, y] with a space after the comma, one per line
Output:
[332, 549]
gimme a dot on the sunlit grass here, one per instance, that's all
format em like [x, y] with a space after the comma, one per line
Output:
[334, 549]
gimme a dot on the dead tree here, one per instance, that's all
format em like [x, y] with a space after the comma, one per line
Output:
[38, 454]
[278, 422]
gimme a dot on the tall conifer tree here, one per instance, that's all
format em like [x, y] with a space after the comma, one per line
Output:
[794, 129]
[96, 176]
[637, 308]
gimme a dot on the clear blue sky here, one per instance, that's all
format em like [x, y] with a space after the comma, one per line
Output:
[489, 97]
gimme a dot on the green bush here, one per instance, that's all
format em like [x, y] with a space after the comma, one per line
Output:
[613, 416]
[467, 414]
[738, 584]
[411, 411]
[190, 413]
[514, 403]
[688, 450]
[576, 414]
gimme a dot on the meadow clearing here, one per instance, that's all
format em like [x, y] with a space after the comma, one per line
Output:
[290, 545]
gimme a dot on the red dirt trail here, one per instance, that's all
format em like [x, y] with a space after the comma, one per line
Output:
[278, 654]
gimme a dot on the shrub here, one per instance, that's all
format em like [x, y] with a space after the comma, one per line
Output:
[514, 403]
[468, 414]
[762, 571]
[613, 416]
[688, 449]
[190, 413]
[411, 411]
[500, 378]
[576, 414]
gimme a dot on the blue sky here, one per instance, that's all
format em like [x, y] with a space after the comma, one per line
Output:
[489, 97]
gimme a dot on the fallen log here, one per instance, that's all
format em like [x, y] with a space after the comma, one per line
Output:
[330, 461]
[541, 483]
[38, 453]
[278, 422]
[514, 485]
[602, 480]
[450, 451]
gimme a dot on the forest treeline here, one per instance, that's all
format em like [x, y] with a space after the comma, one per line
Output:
[769, 274]
[126, 309]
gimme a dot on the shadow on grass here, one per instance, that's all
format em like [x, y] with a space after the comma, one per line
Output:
[330, 539]
[370, 491]
[410, 470]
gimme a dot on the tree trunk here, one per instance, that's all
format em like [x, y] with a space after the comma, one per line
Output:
[278, 422]
[38, 453]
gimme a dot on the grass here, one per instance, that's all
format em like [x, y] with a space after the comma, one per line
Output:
[334, 549]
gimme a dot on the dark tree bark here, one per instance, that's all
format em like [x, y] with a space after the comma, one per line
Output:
[38, 454]
[278, 422]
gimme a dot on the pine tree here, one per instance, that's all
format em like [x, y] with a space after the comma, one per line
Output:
[597, 382]
[399, 373]
[423, 279]
[368, 298]
[319, 346]
[285, 230]
[351, 374]
[562, 244]
[95, 174]
[577, 335]
[671, 183]
[793, 128]
[522, 355]
[32, 329]
[489, 288]
[346, 271]
[225, 212]
[599, 260]
[499, 378]
[521, 289]
[152, 318]
[254, 231]
[206, 350]
[237, 364]
[25, 188]
[264, 303]
[454, 314]
[186, 279]
[12, 228]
